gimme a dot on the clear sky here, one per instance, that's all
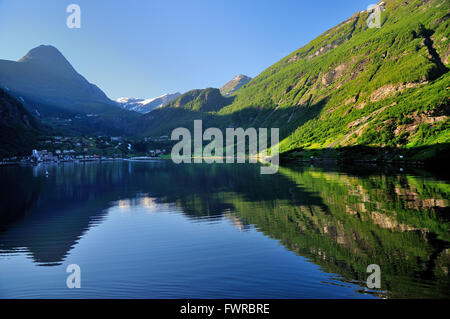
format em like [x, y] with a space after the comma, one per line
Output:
[147, 48]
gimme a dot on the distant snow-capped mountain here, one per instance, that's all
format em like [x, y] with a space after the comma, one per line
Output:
[146, 105]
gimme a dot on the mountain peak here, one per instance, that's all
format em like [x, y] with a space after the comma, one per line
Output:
[47, 56]
[240, 77]
[235, 84]
[45, 74]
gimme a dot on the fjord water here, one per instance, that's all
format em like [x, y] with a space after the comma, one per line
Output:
[159, 230]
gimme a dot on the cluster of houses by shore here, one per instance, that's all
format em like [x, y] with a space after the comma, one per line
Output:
[56, 149]
[44, 156]
[63, 156]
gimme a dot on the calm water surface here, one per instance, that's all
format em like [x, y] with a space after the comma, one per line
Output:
[158, 230]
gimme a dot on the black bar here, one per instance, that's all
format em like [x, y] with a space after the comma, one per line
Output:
[173, 308]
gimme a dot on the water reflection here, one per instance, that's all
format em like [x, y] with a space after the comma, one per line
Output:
[340, 221]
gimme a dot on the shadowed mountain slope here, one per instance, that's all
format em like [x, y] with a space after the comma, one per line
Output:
[50, 88]
[45, 74]
[18, 128]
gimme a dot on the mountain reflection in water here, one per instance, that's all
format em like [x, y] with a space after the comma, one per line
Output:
[335, 222]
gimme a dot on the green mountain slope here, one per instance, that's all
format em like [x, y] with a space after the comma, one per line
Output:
[356, 86]
[206, 100]
[192, 105]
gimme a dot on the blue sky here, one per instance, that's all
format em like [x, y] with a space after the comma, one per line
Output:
[147, 48]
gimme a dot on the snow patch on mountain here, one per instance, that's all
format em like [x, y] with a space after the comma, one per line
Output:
[146, 105]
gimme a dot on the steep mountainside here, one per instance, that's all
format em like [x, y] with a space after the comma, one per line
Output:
[352, 86]
[235, 84]
[18, 128]
[147, 105]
